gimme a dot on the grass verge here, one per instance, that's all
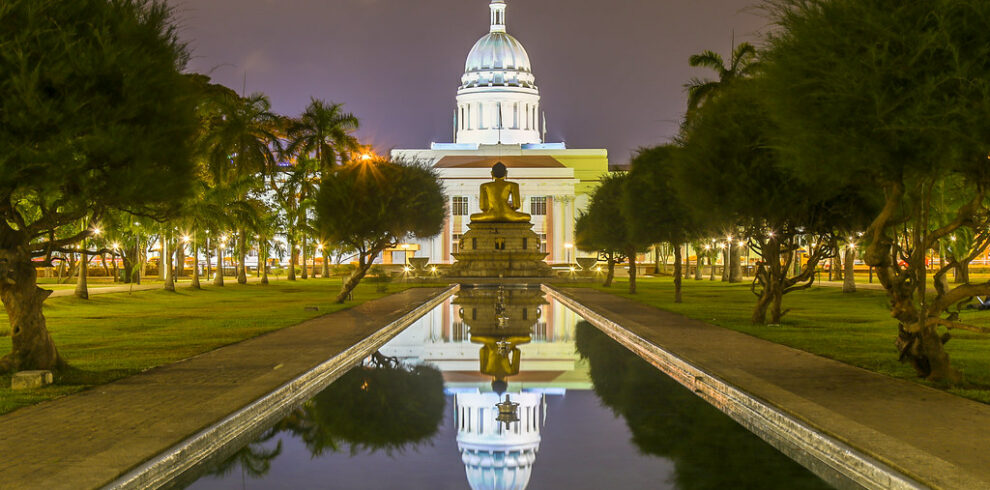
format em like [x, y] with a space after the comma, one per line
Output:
[111, 336]
[853, 328]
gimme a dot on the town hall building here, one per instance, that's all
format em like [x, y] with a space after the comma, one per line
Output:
[498, 118]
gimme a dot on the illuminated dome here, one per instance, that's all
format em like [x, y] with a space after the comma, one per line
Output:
[498, 101]
[498, 59]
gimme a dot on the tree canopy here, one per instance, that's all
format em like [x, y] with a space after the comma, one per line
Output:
[94, 115]
[371, 206]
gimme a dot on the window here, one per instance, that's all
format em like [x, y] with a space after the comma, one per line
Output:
[455, 242]
[538, 205]
[543, 242]
[459, 206]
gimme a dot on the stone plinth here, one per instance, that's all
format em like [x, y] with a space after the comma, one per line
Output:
[500, 250]
[26, 380]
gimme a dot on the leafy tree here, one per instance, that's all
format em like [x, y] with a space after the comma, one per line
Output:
[371, 206]
[654, 213]
[603, 227]
[94, 116]
[895, 95]
[729, 171]
[587, 236]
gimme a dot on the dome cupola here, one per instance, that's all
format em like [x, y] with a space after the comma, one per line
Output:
[498, 100]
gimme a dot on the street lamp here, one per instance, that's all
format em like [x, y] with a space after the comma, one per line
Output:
[567, 251]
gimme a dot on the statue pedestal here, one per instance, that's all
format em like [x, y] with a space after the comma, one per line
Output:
[500, 250]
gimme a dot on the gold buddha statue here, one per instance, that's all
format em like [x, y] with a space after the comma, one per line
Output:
[500, 200]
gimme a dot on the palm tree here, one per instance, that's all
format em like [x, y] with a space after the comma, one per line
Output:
[323, 131]
[241, 146]
[742, 64]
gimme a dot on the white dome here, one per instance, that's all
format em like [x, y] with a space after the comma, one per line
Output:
[498, 59]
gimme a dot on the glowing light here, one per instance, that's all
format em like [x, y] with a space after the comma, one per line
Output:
[708, 247]
[953, 238]
[852, 245]
[366, 157]
[433, 268]
[407, 269]
[599, 268]
[568, 245]
[319, 247]
[96, 230]
[115, 245]
[185, 239]
[770, 234]
[573, 269]
[742, 243]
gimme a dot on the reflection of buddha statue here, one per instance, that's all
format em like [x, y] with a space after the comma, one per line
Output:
[500, 200]
[500, 356]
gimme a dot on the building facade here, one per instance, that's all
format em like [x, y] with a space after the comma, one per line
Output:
[498, 118]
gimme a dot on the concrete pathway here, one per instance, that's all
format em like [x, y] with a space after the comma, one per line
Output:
[936, 438]
[89, 439]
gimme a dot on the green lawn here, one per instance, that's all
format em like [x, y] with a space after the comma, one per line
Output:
[111, 336]
[852, 328]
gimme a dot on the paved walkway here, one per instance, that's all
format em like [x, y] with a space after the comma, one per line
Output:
[88, 439]
[934, 437]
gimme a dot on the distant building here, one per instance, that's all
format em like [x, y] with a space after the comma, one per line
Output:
[498, 118]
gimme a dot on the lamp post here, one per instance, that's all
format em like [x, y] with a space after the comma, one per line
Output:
[567, 252]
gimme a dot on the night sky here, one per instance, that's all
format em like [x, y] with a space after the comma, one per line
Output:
[610, 72]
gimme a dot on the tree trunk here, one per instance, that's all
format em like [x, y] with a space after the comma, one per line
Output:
[218, 277]
[354, 279]
[711, 271]
[735, 263]
[632, 271]
[305, 274]
[961, 274]
[326, 263]
[180, 259]
[835, 270]
[263, 262]
[32, 345]
[113, 264]
[611, 272]
[195, 271]
[209, 262]
[138, 260]
[293, 256]
[656, 260]
[241, 256]
[849, 274]
[82, 287]
[106, 269]
[699, 264]
[725, 264]
[677, 272]
[169, 274]
[161, 256]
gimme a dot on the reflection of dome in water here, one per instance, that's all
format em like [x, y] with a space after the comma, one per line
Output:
[498, 456]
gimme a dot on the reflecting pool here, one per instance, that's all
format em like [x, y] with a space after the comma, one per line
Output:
[506, 389]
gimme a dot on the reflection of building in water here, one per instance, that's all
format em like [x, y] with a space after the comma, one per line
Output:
[443, 339]
[498, 456]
